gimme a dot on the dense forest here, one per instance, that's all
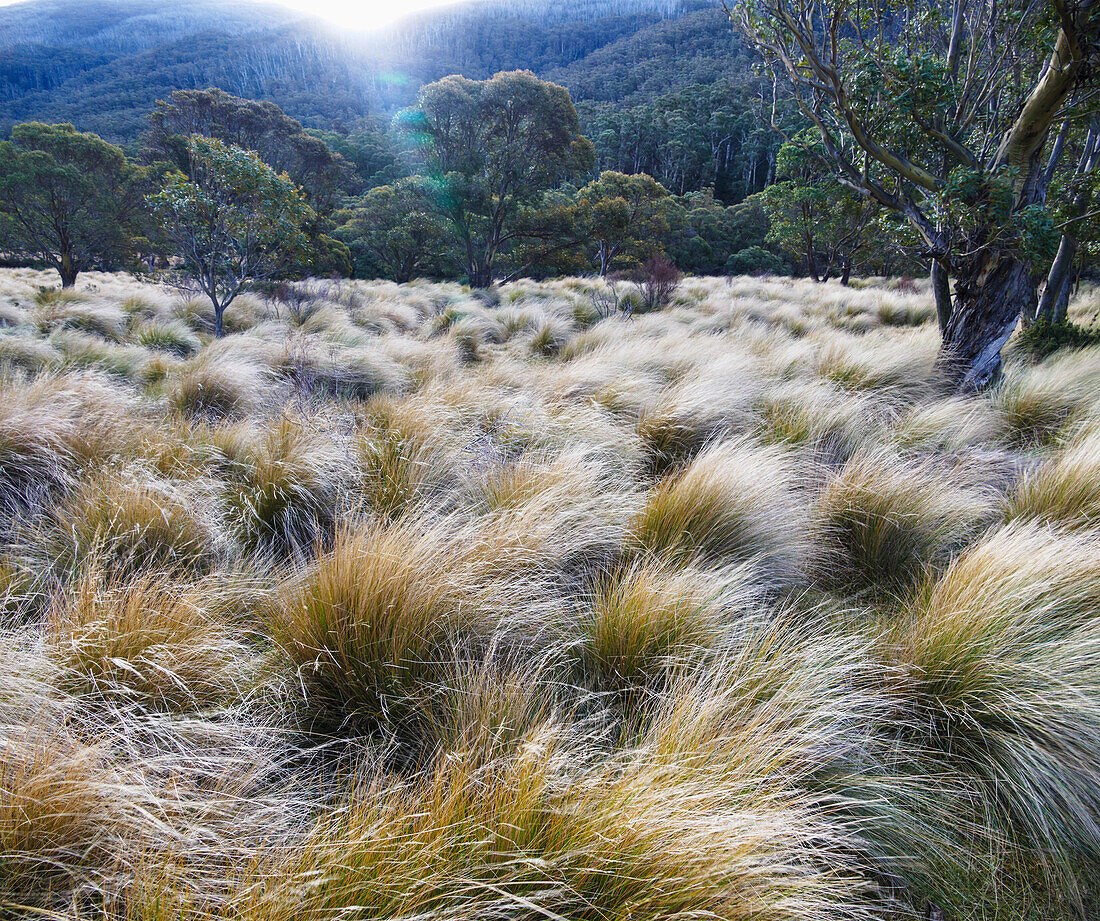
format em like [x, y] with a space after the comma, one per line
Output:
[102, 65]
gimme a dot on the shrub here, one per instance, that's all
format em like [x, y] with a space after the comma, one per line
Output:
[656, 280]
[1041, 339]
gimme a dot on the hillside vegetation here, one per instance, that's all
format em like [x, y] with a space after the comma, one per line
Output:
[102, 65]
[403, 601]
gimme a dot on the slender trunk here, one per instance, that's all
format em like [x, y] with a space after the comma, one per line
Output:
[991, 291]
[1058, 280]
[1061, 306]
[941, 289]
[846, 273]
[219, 313]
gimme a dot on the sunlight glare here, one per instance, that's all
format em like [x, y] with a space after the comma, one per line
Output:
[363, 14]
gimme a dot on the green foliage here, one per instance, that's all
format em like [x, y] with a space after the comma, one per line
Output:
[812, 216]
[393, 232]
[623, 217]
[260, 126]
[1042, 338]
[232, 219]
[67, 199]
[489, 147]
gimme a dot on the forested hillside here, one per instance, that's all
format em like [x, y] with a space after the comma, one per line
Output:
[102, 65]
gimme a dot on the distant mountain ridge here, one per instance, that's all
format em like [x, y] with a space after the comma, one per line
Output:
[101, 64]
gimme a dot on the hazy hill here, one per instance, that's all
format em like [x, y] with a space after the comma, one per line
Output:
[102, 64]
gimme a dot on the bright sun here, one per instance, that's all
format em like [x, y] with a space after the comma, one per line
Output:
[362, 14]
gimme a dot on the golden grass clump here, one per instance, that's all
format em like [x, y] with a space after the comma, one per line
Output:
[49, 426]
[1038, 402]
[998, 675]
[128, 526]
[646, 622]
[280, 491]
[881, 523]
[1065, 489]
[405, 456]
[151, 642]
[820, 416]
[733, 504]
[372, 629]
[218, 386]
[62, 819]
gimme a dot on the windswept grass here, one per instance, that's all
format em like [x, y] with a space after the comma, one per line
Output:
[1000, 678]
[411, 602]
[880, 524]
[733, 504]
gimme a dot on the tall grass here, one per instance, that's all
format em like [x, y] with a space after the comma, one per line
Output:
[999, 678]
[733, 504]
[408, 602]
[881, 524]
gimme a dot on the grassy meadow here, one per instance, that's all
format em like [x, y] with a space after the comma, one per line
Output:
[407, 602]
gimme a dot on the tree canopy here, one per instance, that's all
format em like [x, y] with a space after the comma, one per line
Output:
[232, 219]
[943, 112]
[489, 147]
[67, 199]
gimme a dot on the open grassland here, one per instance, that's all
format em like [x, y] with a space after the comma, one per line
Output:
[400, 602]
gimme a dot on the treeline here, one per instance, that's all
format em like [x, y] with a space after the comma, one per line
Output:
[480, 181]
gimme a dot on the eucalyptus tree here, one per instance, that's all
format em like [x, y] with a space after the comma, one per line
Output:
[489, 149]
[232, 219]
[68, 199]
[946, 112]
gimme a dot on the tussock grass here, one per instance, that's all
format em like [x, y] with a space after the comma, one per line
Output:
[836, 425]
[127, 526]
[733, 504]
[405, 601]
[218, 386]
[1065, 490]
[48, 427]
[150, 643]
[373, 632]
[60, 828]
[881, 524]
[280, 496]
[999, 678]
[1039, 402]
[645, 623]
